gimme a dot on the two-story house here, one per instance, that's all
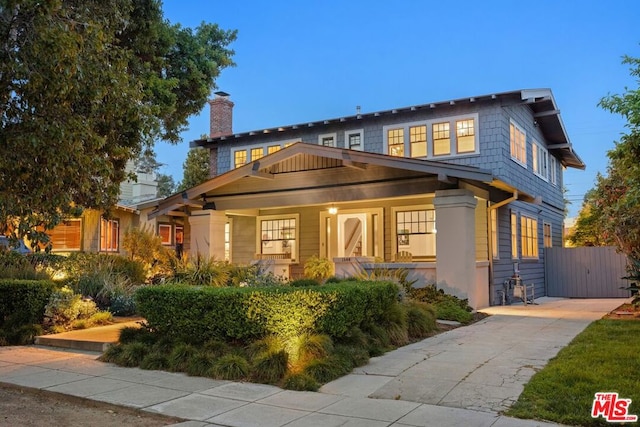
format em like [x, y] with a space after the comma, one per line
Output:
[463, 192]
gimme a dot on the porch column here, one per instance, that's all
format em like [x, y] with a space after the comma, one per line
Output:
[456, 244]
[207, 233]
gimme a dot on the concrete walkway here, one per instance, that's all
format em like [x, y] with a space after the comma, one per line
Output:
[462, 377]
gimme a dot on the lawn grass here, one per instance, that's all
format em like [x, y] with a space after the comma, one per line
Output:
[605, 357]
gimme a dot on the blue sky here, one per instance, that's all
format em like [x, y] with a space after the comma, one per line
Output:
[313, 60]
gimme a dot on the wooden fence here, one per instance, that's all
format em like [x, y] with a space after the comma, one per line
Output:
[586, 272]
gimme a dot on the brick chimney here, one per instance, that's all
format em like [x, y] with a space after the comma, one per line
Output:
[221, 119]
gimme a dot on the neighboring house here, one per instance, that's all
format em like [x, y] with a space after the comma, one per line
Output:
[92, 232]
[462, 192]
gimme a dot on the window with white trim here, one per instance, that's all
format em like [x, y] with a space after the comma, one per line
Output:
[273, 149]
[416, 231]
[109, 235]
[227, 241]
[553, 170]
[540, 161]
[257, 153]
[418, 140]
[327, 140]
[514, 235]
[494, 234]
[546, 233]
[395, 142]
[518, 143]
[239, 158]
[438, 138]
[354, 139]
[278, 236]
[441, 139]
[529, 236]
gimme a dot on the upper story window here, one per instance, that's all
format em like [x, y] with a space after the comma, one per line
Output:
[465, 136]
[553, 170]
[239, 158]
[109, 235]
[327, 140]
[354, 139]
[418, 141]
[450, 136]
[257, 153]
[441, 139]
[273, 148]
[540, 161]
[395, 141]
[518, 142]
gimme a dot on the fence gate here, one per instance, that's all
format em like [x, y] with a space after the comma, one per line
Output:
[586, 272]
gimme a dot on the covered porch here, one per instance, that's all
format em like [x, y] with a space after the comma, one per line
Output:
[354, 208]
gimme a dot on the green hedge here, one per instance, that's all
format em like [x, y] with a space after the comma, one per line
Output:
[22, 302]
[199, 314]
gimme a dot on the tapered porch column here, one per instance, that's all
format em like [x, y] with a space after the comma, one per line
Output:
[207, 233]
[456, 244]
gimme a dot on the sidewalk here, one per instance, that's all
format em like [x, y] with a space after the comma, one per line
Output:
[461, 377]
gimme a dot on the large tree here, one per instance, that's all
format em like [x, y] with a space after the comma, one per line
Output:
[85, 86]
[615, 202]
[195, 168]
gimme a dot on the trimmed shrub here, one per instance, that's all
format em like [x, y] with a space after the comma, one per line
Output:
[304, 283]
[130, 334]
[318, 268]
[200, 314]
[22, 302]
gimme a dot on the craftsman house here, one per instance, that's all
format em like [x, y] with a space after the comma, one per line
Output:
[462, 193]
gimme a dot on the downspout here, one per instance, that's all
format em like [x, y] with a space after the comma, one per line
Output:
[490, 237]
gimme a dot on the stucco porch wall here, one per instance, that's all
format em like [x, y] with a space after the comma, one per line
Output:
[423, 273]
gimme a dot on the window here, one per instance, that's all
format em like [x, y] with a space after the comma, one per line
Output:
[353, 139]
[227, 242]
[494, 234]
[272, 149]
[395, 141]
[327, 140]
[164, 231]
[546, 233]
[540, 161]
[278, 236]
[418, 141]
[529, 235]
[66, 236]
[239, 158]
[257, 153]
[415, 232]
[109, 235]
[518, 144]
[553, 168]
[465, 136]
[514, 235]
[441, 140]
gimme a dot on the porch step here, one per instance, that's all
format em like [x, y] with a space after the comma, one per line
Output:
[96, 339]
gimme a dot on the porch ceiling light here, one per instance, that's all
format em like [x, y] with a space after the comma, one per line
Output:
[333, 210]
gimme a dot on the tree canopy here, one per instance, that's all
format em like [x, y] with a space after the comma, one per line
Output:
[195, 168]
[85, 86]
[614, 204]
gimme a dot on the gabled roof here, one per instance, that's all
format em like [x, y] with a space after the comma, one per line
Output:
[541, 101]
[287, 161]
